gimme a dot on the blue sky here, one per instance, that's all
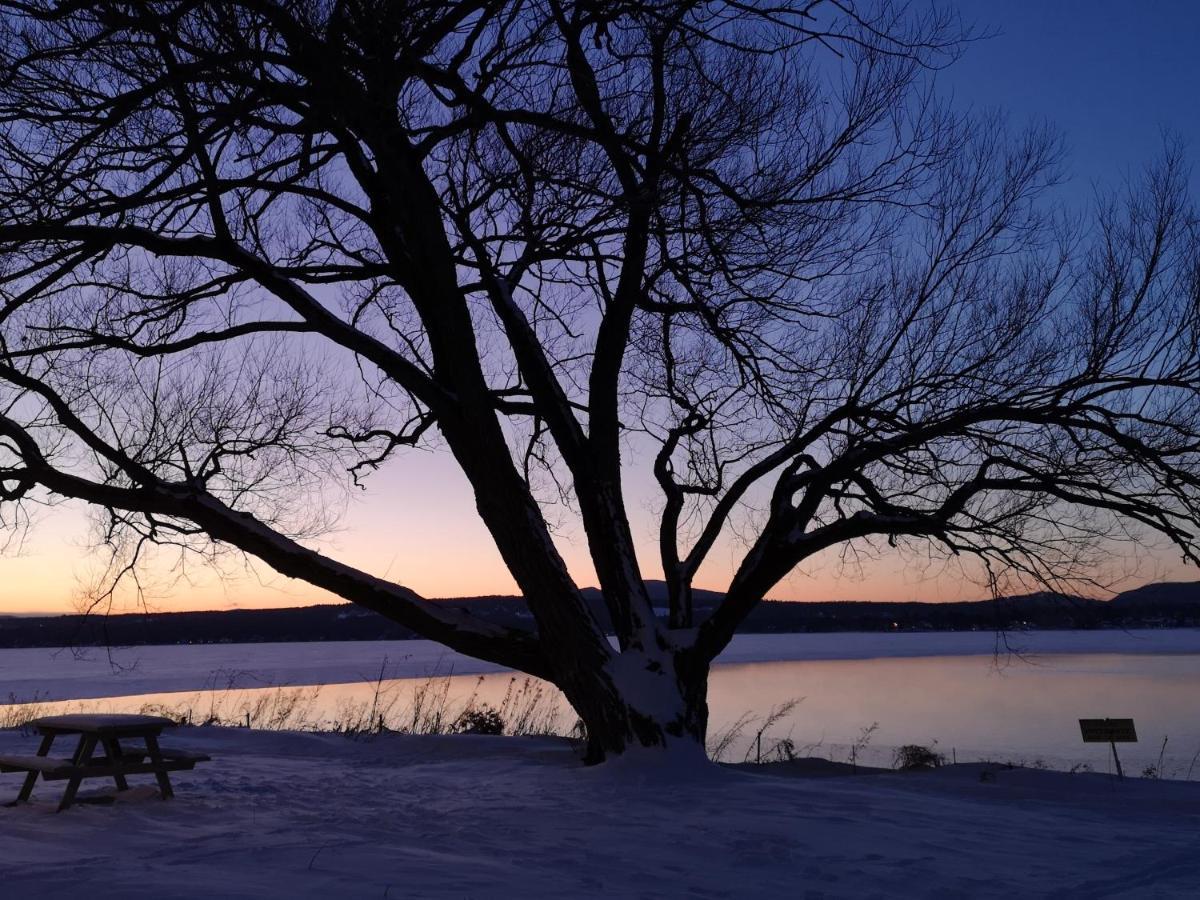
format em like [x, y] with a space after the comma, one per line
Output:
[1110, 76]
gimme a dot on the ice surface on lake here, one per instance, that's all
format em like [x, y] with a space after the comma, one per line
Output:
[44, 674]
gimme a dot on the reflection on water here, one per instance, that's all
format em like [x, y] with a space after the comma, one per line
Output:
[1021, 712]
[974, 709]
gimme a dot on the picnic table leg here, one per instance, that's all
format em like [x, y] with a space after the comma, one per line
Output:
[31, 778]
[87, 743]
[164, 782]
[112, 747]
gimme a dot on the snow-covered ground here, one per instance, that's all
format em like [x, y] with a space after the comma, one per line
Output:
[309, 815]
[44, 674]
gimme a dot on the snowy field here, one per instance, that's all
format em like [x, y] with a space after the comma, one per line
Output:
[289, 815]
[320, 815]
[45, 674]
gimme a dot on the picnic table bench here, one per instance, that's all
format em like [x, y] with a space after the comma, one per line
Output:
[116, 761]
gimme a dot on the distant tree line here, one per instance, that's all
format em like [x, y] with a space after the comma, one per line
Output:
[1154, 606]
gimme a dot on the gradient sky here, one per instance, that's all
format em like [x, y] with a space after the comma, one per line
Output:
[1111, 76]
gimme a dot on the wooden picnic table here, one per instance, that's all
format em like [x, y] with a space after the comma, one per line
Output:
[106, 733]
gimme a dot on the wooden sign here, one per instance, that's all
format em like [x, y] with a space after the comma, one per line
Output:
[1108, 731]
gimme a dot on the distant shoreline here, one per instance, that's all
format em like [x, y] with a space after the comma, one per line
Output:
[1166, 605]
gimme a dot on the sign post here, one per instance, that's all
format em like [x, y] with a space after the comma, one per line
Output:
[1109, 731]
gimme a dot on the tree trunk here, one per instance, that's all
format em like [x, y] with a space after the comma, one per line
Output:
[641, 701]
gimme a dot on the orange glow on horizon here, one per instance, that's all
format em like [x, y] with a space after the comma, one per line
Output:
[444, 554]
[417, 525]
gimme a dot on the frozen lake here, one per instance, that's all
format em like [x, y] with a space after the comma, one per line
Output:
[918, 688]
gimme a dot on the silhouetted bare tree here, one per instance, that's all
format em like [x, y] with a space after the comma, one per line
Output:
[743, 243]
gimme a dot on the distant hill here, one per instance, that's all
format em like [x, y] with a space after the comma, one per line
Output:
[1162, 596]
[1166, 605]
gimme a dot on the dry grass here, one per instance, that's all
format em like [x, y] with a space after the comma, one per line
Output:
[406, 706]
[16, 714]
[762, 746]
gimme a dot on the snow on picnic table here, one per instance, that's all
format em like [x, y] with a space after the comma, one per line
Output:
[57, 674]
[319, 815]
